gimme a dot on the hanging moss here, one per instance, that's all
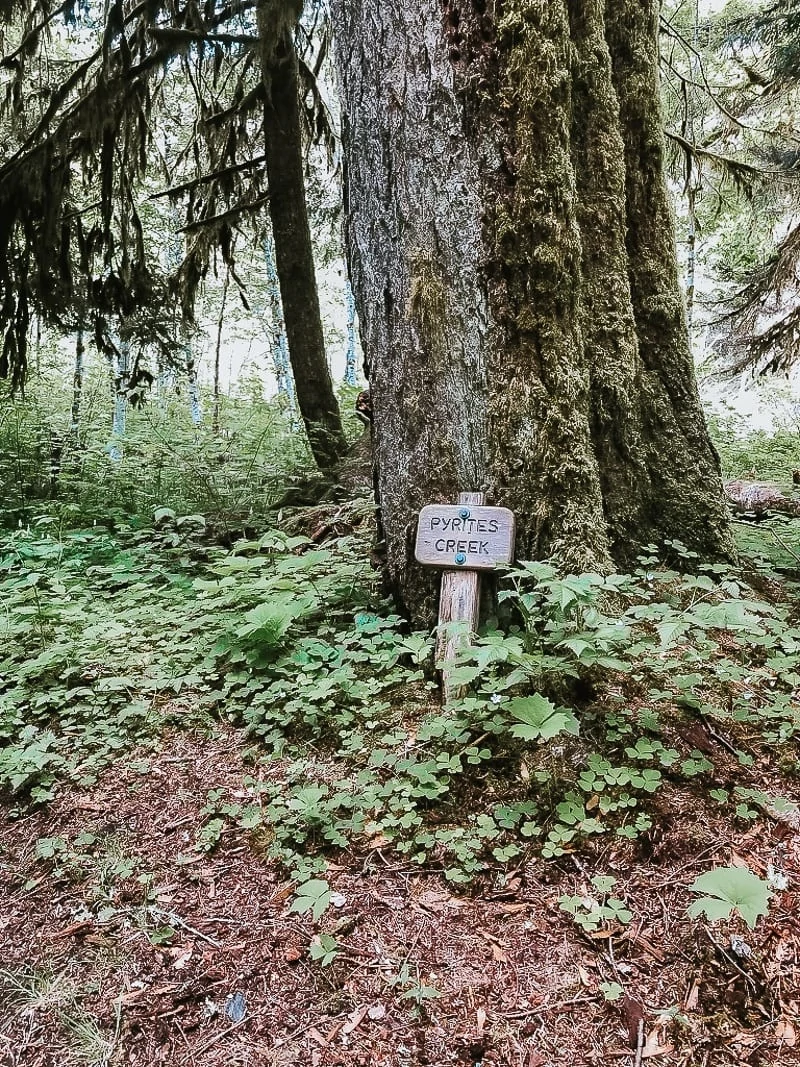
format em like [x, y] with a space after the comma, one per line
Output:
[93, 131]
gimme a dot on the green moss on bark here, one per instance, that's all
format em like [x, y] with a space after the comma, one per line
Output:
[527, 360]
[607, 318]
[543, 463]
[686, 500]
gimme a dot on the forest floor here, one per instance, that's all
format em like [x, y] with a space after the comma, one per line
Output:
[160, 699]
[155, 952]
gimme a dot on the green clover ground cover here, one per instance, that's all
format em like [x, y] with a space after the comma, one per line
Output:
[570, 727]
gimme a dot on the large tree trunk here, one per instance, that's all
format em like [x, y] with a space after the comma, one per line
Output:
[293, 252]
[606, 312]
[687, 501]
[519, 343]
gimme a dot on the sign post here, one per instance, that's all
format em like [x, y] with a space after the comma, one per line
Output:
[464, 539]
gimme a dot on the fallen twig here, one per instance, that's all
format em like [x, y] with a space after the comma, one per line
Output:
[223, 1033]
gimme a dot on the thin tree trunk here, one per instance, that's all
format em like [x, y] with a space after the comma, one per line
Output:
[691, 249]
[293, 252]
[77, 390]
[120, 373]
[280, 350]
[193, 387]
[163, 381]
[215, 420]
[174, 253]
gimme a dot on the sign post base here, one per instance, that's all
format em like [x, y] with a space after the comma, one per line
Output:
[459, 604]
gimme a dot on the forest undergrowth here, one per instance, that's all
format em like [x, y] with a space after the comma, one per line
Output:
[606, 720]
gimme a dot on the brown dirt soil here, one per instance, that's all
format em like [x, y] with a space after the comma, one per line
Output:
[518, 982]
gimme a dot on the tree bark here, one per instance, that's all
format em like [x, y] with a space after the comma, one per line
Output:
[686, 501]
[413, 233]
[217, 400]
[519, 343]
[193, 387]
[281, 364]
[606, 311]
[77, 391]
[120, 377]
[293, 252]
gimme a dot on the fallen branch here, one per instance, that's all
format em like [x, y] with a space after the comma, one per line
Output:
[759, 497]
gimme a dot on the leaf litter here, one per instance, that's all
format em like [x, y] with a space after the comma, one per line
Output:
[185, 957]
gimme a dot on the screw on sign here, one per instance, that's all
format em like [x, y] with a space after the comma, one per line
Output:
[464, 539]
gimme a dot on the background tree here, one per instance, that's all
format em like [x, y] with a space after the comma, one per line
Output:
[292, 235]
[98, 127]
[730, 86]
[762, 330]
[513, 262]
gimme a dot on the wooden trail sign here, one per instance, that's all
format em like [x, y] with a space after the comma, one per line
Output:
[465, 535]
[464, 538]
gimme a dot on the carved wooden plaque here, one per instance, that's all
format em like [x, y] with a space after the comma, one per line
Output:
[464, 536]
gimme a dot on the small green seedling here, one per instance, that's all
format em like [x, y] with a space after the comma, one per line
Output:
[611, 990]
[324, 949]
[314, 896]
[589, 913]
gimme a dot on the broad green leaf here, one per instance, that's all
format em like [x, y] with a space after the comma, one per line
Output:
[576, 644]
[539, 719]
[668, 631]
[269, 622]
[49, 847]
[730, 888]
[192, 520]
[714, 909]
[567, 596]
[729, 615]
[314, 896]
[464, 675]
[251, 817]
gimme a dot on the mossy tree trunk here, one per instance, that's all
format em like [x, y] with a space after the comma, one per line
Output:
[294, 255]
[513, 263]
[683, 465]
